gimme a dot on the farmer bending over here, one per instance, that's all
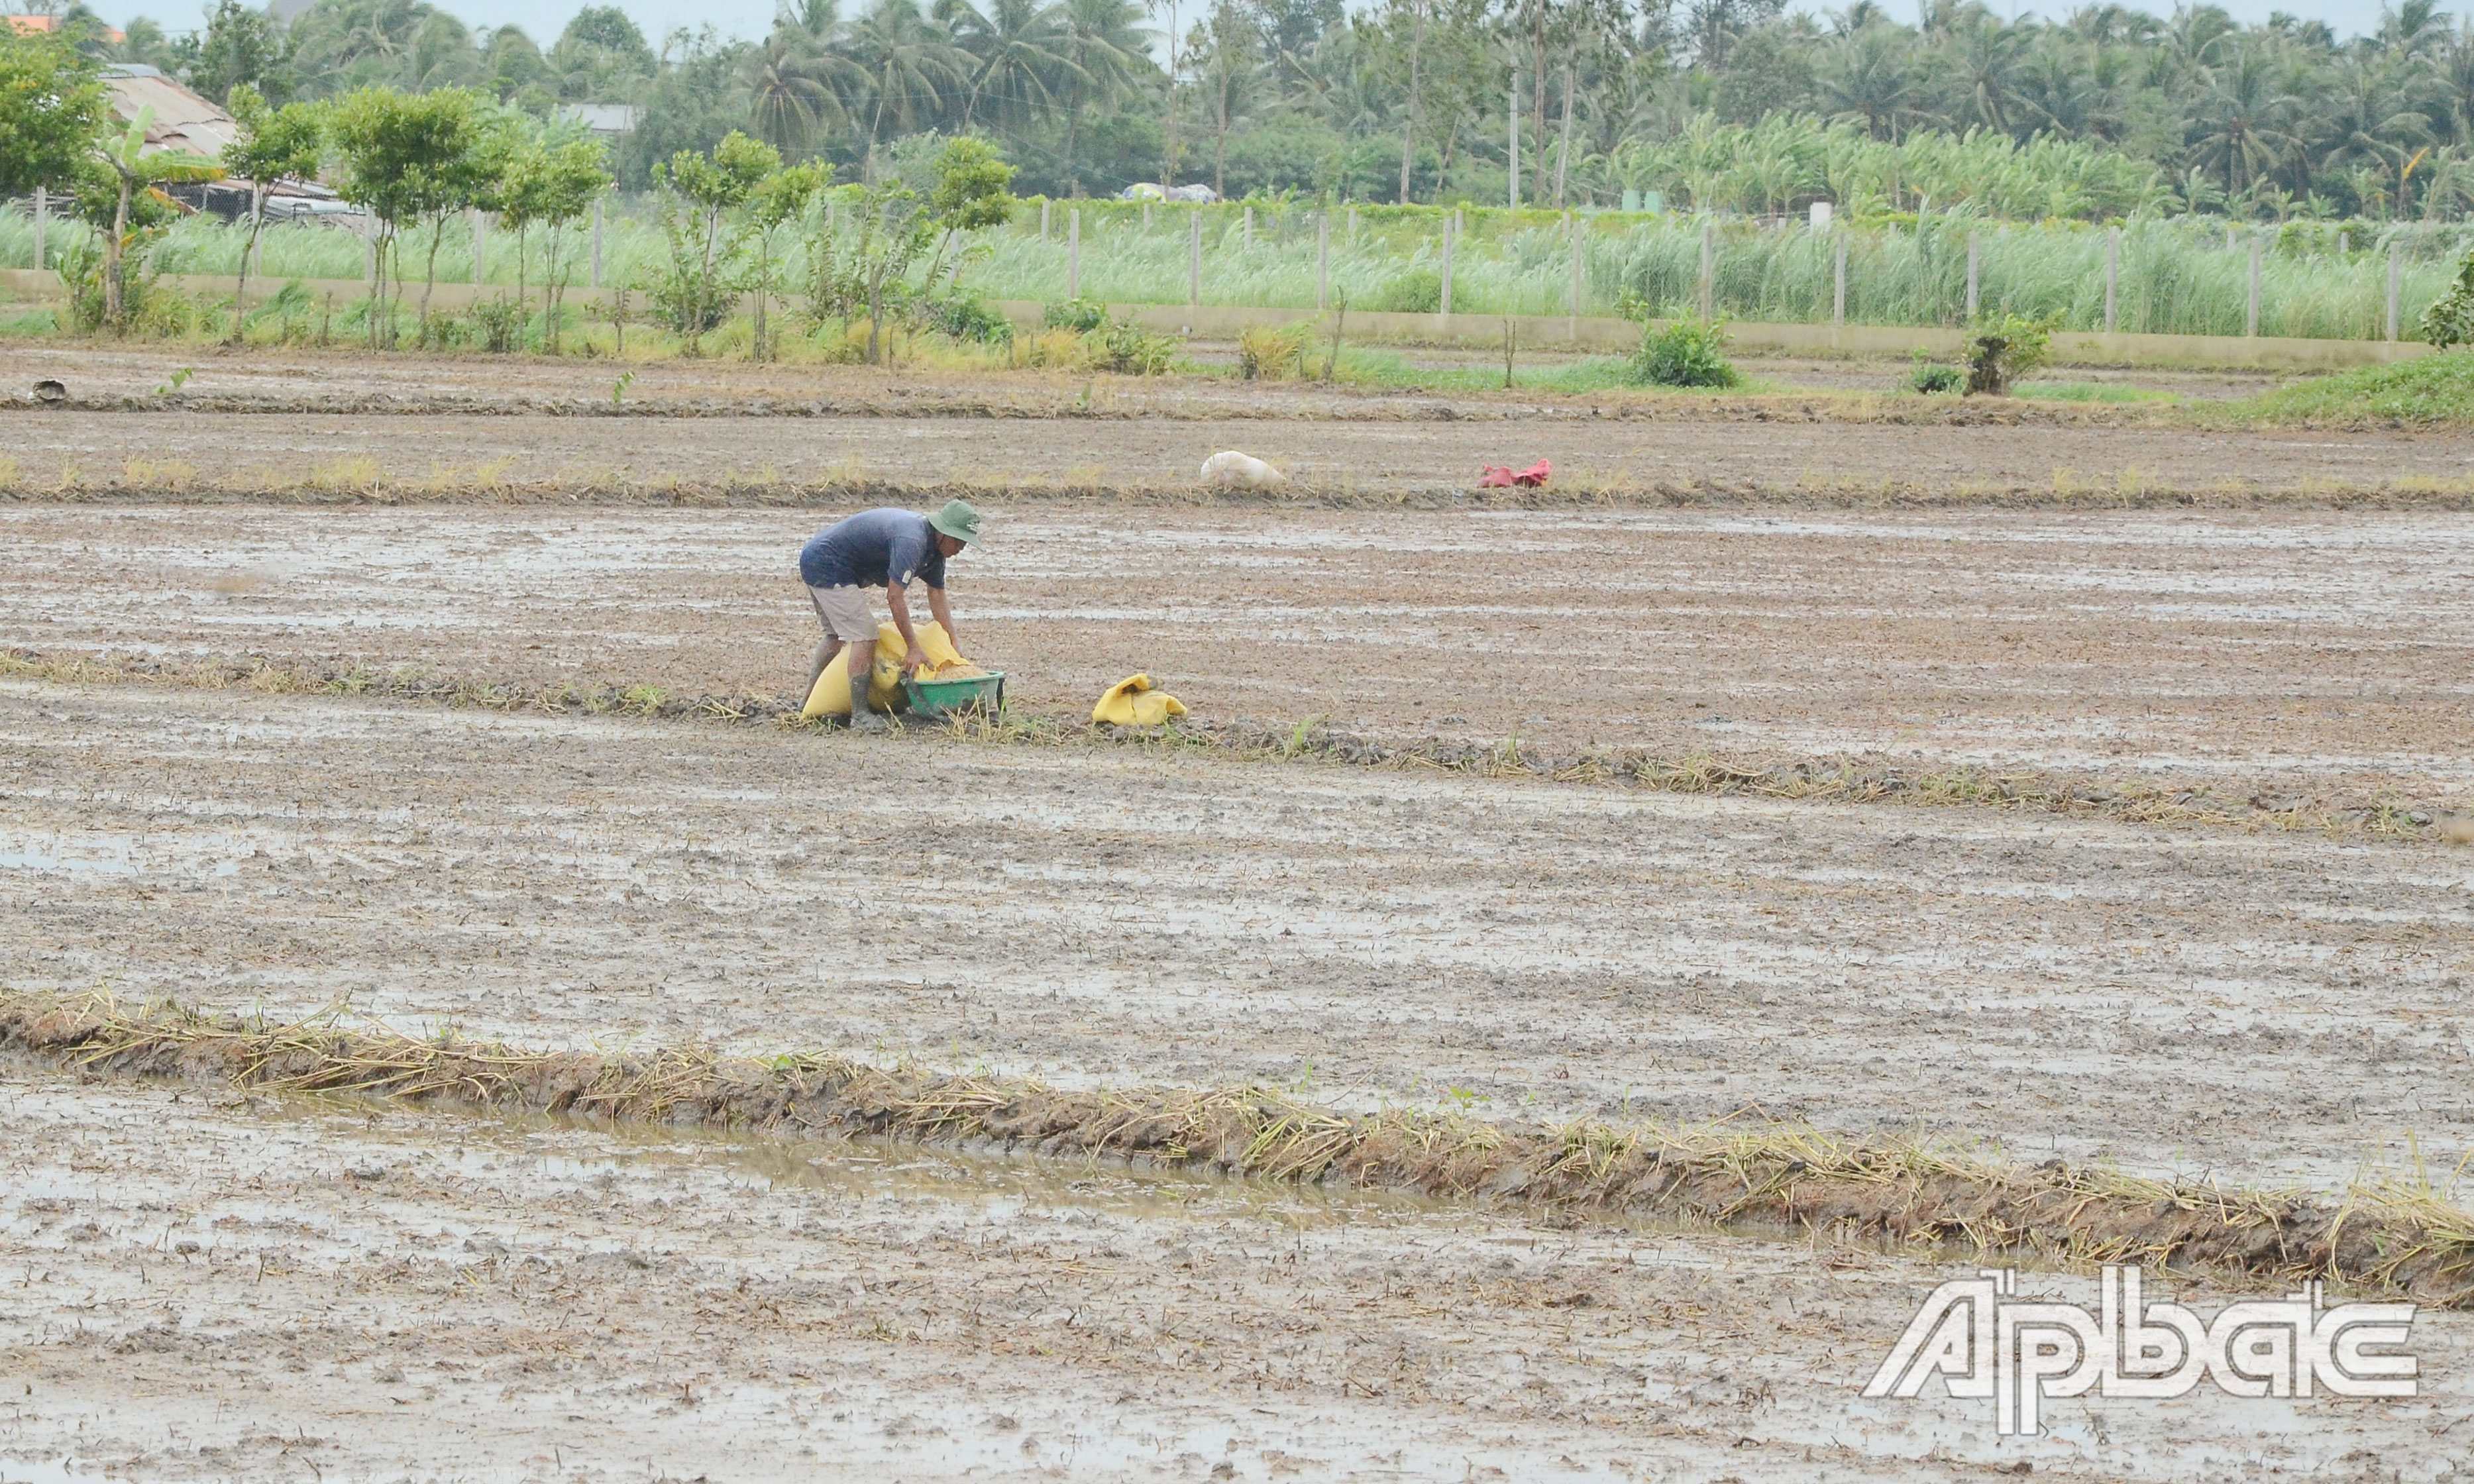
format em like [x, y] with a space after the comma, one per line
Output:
[841, 562]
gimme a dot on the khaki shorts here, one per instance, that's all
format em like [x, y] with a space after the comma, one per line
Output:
[845, 614]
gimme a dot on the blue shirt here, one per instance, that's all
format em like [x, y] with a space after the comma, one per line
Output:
[875, 549]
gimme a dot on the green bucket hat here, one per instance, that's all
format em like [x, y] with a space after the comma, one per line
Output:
[958, 521]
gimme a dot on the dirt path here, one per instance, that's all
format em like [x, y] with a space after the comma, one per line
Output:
[208, 1287]
[2296, 657]
[2269, 1007]
[1411, 454]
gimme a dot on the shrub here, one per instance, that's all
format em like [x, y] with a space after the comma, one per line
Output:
[1416, 291]
[1052, 349]
[499, 324]
[2001, 351]
[1127, 348]
[81, 269]
[2450, 319]
[1933, 378]
[1684, 353]
[1267, 353]
[964, 318]
[1078, 315]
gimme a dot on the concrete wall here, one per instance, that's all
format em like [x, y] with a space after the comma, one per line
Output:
[1536, 332]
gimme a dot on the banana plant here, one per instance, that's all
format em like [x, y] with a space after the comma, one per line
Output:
[122, 151]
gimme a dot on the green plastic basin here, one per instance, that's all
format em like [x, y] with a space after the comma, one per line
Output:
[933, 700]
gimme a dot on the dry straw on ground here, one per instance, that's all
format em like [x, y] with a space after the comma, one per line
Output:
[2406, 1238]
[1850, 781]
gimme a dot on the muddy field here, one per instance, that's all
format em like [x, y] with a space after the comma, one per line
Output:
[221, 1289]
[367, 1288]
[200, 1284]
[2289, 656]
[1406, 452]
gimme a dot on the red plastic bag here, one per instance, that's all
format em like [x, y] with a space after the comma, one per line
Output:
[1499, 476]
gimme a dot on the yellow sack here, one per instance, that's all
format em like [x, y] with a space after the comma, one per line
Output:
[1133, 702]
[831, 695]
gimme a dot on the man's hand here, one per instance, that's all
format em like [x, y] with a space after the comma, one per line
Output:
[915, 657]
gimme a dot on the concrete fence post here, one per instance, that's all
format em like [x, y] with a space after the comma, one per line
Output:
[1574, 303]
[1838, 284]
[2250, 316]
[43, 219]
[2396, 281]
[1451, 231]
[1323, 262]
[1074, 253]
[1974, 276]
[2112, 275]
[596, 242]
[1193, 258]
[1043, 218]
[1352, 224]
[1708, 270]
[480, 228]
[1512, 113]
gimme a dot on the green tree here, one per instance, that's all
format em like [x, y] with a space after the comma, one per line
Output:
[694, 290]
[911, 68]
[51, 107]
[780, 200]
[409, 159]
[274, 145]
[1018, 51]
[601, 56]
[130, 176]
[893, 229]
[550, 186]
[1103, 38]
[974, 191]
[692, 104]
[242, 47]
[793, 100]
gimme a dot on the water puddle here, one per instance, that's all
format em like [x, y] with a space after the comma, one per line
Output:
[208, 854]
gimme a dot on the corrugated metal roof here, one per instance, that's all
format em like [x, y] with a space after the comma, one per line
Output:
[182, 120]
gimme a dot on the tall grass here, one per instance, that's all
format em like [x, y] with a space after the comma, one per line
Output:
[2181, 276]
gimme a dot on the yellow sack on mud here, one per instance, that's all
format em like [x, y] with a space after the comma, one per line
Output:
[1133, 702]
[830, 697]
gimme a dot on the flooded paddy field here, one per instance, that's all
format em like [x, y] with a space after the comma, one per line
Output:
[207, 1286]
[197, 1282]
[2269, 1007]
[2292, 656]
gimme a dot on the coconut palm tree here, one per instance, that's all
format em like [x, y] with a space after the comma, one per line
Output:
[2369, 117]
[1867, 80]
[1103, 40]
[792, 101]
[2244, 127]
[1230, 75]
[1018, 48]
[905, 68]
[1987, 61]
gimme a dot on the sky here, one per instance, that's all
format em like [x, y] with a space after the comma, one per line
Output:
[545, 19]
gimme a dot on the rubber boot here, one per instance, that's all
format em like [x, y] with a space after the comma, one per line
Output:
[821, 657]
[864, 719]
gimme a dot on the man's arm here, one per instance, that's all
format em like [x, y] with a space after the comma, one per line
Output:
[896, 601]
[943, 613]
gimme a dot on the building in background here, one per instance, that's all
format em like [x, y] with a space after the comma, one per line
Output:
[610, 122]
